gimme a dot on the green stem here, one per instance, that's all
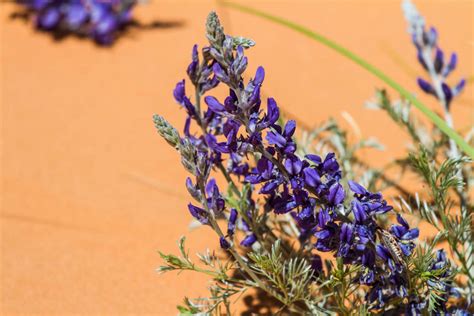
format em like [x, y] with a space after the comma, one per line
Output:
[439, 122]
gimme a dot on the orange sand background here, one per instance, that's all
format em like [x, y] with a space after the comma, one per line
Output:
[90, 192]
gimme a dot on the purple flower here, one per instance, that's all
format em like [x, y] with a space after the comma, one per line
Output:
[232, 221]
[426, 86]
[76, 15]
[105, 29]
[311, 177]
[359, 211]
[336, 194]
[282, 139]
[272, 115]
[383, 252]
[439, 60]
[293, 165]
[451, 65]
[224, 243]
[330, 166]
[249, 240]
[459, 87]
[192, 70]
[179, 93]
[345, 237]
[49, 18]
[403, 231]
[199, 214]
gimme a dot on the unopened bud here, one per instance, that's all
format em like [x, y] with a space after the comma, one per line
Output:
[167, 131]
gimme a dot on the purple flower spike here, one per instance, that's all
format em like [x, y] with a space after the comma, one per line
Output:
[100, 20]
[438, 67]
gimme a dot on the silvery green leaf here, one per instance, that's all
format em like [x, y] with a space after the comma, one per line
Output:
[242, 41]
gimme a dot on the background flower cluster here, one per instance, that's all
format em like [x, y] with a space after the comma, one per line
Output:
[100, 20]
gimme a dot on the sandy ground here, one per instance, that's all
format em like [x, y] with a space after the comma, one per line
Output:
[90, 192]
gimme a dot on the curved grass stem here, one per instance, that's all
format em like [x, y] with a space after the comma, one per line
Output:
[432, 116]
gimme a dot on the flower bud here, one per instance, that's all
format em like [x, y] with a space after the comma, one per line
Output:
[214, 30]
[167, 131]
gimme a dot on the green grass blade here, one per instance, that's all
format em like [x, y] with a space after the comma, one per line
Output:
[438, 121]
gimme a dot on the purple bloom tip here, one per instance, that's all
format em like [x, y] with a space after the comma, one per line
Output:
[425, 86]
[336, 194]
[249, 240]
[214, 104]
[357, 188]
[259, 76]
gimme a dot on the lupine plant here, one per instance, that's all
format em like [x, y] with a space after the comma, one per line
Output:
[298, 217]
[101, 20]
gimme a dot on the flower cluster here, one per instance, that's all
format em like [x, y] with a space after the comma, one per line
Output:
[247, 143]
[98, 19]
[432, 58]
